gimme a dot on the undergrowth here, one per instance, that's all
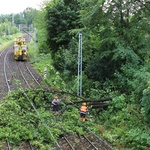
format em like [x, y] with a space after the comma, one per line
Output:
[31, 118]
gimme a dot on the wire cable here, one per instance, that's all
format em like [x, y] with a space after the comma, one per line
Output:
[42, 120]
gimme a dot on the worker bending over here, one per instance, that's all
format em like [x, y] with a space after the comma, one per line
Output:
[55, 103]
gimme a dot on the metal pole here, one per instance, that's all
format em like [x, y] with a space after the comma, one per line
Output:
[19, 28]
[45, 72]
[12, 19]
[8, 31]
[79, 90]
[34, 43]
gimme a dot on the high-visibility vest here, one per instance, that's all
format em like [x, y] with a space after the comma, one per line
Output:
[83, 109]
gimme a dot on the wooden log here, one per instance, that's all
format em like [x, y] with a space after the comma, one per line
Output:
[94, 101]
[99, 106]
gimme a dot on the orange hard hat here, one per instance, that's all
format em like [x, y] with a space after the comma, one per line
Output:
[84, 104]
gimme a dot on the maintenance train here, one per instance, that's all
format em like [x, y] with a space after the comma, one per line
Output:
[20, 49]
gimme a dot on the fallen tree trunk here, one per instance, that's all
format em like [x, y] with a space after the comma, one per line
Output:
[99, 106]
[94, 101]
[97, 103]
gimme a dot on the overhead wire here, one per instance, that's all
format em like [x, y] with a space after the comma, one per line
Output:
[42, 120]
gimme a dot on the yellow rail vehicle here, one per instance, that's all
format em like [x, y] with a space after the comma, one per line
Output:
[20, 49]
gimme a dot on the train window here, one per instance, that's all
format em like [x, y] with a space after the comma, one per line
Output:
[24, 47]
[17, 47]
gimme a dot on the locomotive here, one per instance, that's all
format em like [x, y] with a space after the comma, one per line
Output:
[20, 49]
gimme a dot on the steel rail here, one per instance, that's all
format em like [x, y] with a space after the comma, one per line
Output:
[32, 75]
[5, 61]
[90, 142]
[1, 53]
[30, 145]
[103, 141]
[42, 120]
[68, 143]
[8, 145]
[24, 78]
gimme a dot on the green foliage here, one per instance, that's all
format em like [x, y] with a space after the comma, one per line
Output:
[19, 121]
[31, 119]
[136, 82]
[117, 40]
[41, 146]
[146, 103]
[29, 15]
[6, 29]
[118, 103]
[26, 17]
[61, 17]
[54, 79]
[137, 134]
[6, 41]
[124, 123]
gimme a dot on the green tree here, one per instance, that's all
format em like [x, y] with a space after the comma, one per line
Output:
[40, 24]
[19, 19]
[114, 35]
[29, 15]
[61, 18]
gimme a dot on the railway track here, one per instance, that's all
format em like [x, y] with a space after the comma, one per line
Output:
[85, 142]
[22, 146]
[71, 143]
[88, 140]
[16, 73]
[12, 71]
[4, 86]
[27, 75]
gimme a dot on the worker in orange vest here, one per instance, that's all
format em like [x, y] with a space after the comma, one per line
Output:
[83, 111]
